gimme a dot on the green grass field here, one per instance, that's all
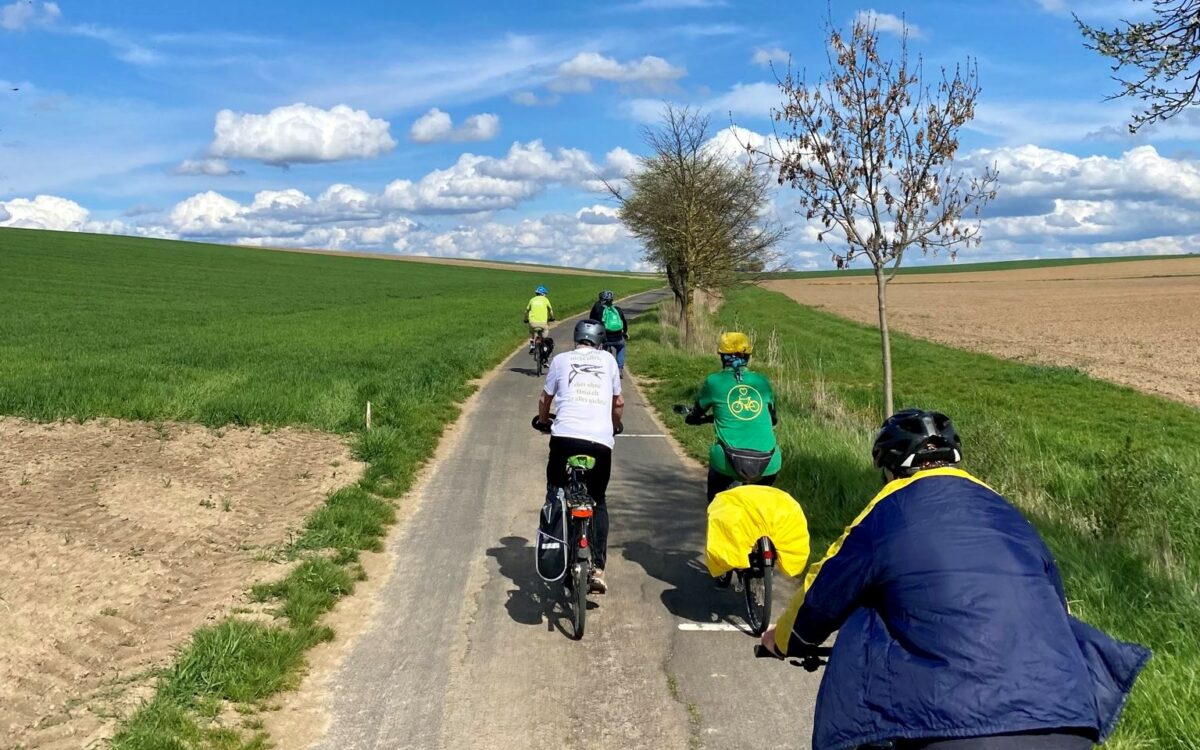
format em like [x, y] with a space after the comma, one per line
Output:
[948, 267]
[1110, 476]
[106, 326]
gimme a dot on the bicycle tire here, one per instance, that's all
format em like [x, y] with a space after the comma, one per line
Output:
[537, 357]
[579, 589]
[757, 588]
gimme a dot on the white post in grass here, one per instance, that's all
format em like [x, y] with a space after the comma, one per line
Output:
[368, 415]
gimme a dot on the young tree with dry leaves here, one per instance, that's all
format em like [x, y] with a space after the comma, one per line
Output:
[1163, 54]
[870, 148]
[698, 211]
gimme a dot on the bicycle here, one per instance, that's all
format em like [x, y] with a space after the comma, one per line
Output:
[580, 510]
[538, 351]
[753, 582]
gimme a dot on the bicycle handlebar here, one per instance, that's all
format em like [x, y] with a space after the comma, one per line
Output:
[811, 662]
[686, 411]
[546, 428]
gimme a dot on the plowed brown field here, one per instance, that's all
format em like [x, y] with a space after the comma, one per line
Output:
[117, 540]
[1136, 323]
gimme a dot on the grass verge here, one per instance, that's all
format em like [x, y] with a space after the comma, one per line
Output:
[106, 326]
[1109, 475]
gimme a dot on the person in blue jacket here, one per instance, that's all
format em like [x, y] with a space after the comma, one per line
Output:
[952, 625]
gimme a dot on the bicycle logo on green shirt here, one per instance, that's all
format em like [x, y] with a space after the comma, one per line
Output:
[744, 402]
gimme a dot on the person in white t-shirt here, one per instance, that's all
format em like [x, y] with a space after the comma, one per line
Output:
[584, 387]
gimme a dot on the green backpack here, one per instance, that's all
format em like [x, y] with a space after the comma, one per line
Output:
[612, 319]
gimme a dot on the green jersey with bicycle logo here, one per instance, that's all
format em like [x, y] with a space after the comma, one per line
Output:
[742, 416]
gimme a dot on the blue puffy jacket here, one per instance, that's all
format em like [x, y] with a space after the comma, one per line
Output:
[951, 622]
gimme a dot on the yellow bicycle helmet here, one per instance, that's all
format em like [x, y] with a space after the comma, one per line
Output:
[734, 342]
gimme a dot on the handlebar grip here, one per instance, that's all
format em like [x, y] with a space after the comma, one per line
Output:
[762, 652]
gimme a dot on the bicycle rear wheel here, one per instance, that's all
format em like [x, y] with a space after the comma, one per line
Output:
[537, 357]
[579, 589]
[758, 599]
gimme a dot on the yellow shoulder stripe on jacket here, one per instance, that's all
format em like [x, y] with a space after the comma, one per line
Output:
[783, 628]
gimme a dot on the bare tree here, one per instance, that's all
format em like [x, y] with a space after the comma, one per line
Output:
[1162, 55]
[870, 148]
[698, 210]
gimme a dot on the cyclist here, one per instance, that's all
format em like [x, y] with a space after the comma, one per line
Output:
[538, 313]
[584, 386]
[616, 328]
[953, 628]
[743, 406]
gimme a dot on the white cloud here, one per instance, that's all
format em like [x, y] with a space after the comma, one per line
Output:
[530, 99]
[598, 215]
[754, 99]
[886, 23]
[299, 133]
[436, 125]
[577, 73]
[557, 239]
[209, 167]
[46, 212]
[54, 213]
[765, 56]
[24, 14]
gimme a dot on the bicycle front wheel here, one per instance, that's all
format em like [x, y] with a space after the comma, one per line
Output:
[758, 599]
[579, 589]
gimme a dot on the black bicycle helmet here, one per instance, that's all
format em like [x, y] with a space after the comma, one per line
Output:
[913, 438]
[589, 331]
[607, 297]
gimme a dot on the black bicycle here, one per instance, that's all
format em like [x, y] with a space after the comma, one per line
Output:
[753, 582]
[580, 510]
[539, 351]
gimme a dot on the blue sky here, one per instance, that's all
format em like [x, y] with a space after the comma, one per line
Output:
[480, 129]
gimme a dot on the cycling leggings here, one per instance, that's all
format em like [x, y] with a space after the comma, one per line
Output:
[562, 448]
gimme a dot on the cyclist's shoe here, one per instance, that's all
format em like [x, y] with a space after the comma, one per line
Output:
[596, 582]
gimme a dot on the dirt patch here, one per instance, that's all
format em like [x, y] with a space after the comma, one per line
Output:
[1136, 323]
[119, 539]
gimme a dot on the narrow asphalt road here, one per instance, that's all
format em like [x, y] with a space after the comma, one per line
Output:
[469, 648]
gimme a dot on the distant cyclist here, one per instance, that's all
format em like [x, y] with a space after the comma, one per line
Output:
[538, 313]
[584, 387]
[743, 412]
[616, 328]
[952, 625]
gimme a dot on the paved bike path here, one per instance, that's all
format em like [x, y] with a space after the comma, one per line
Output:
[468, 648]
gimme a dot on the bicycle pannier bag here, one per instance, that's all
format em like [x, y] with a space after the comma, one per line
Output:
[547, 346]
[551, 544]
[747, 464]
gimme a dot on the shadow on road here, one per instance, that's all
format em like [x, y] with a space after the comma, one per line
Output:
[531, 372]
[665, 530]
[533, 601]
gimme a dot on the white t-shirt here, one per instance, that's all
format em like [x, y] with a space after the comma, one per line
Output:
[583, 382]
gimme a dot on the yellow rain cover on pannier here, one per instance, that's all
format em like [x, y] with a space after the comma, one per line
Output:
[738, 517]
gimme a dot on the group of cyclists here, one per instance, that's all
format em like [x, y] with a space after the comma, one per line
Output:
[953, 629]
